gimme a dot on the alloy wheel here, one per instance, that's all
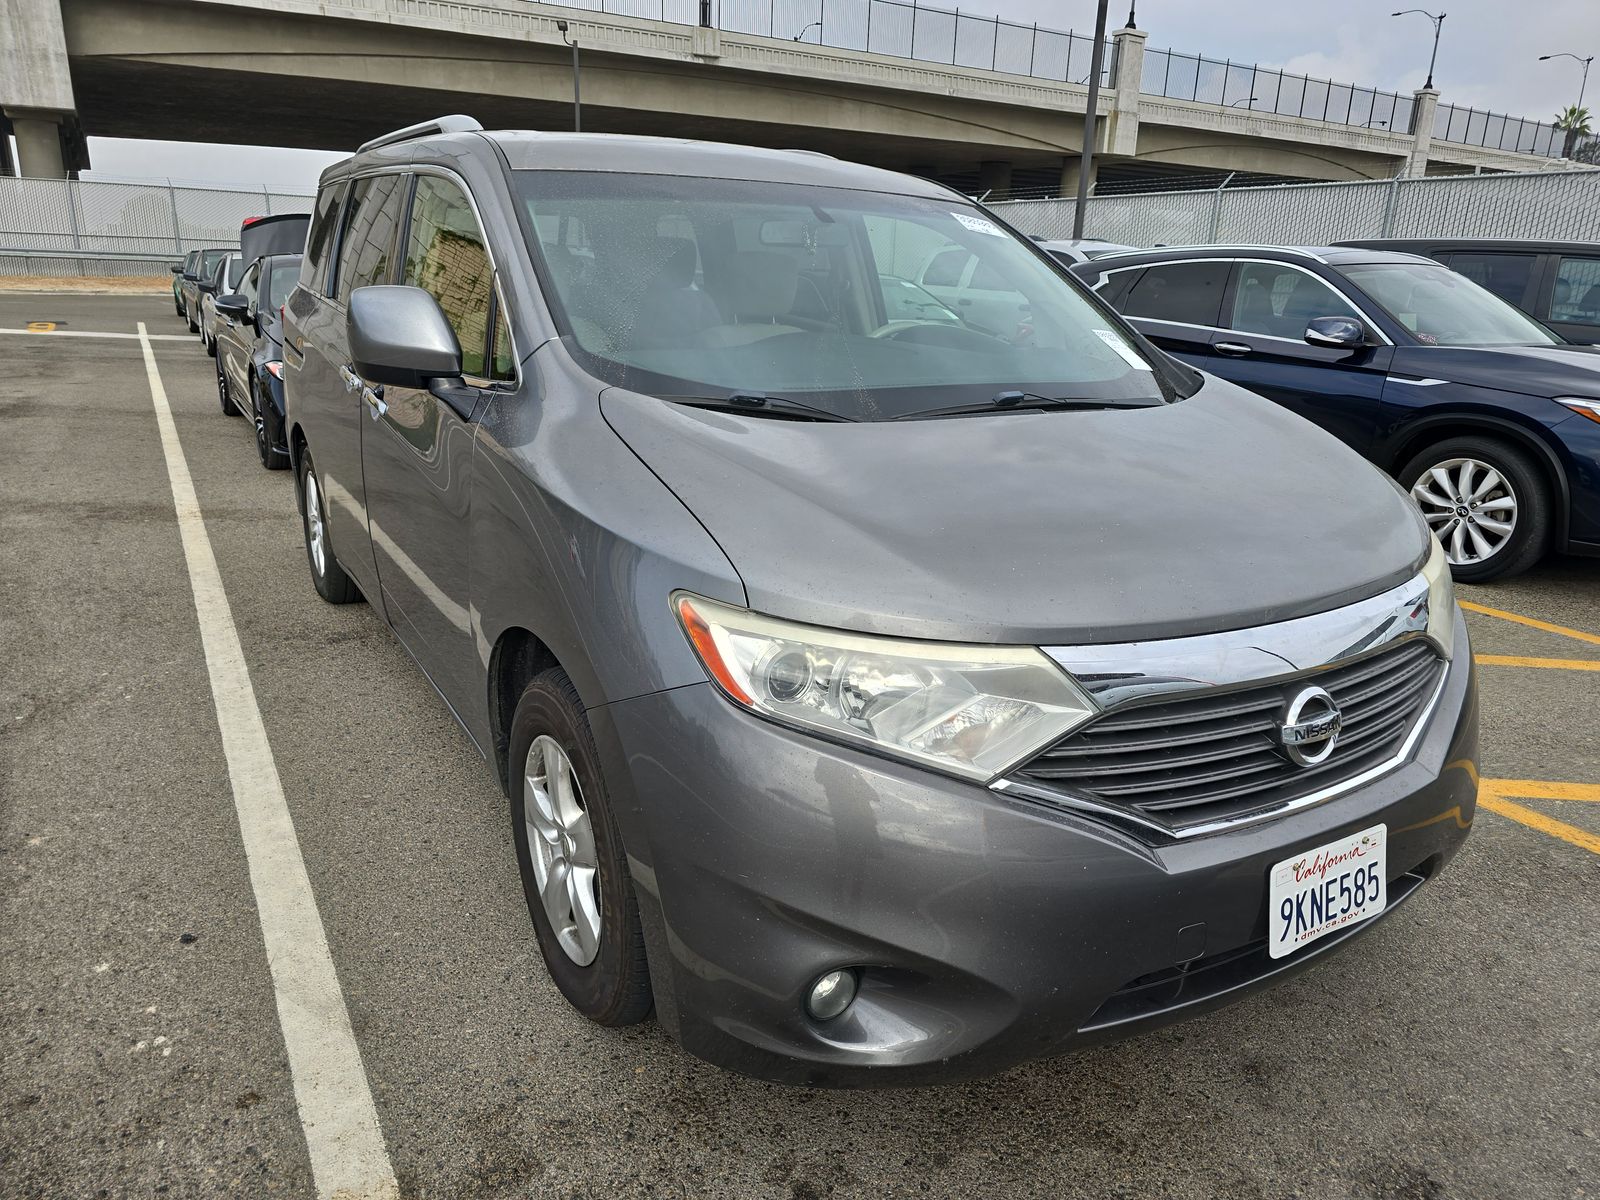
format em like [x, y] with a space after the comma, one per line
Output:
[566, 869]
[316, 538]
[1470, 505]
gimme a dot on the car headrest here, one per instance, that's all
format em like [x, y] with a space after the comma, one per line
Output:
[753, 284]
[673, 260]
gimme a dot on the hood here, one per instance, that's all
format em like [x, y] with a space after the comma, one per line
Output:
[1219, 512]
[1530, 370]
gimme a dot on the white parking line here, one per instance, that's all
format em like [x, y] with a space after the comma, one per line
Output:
[348, 1157]
[140, 336]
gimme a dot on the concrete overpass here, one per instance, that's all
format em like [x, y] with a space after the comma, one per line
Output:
[327, 74]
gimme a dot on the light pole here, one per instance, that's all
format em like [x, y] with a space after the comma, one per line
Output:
[1246, 100]
[1438, 22]
[1086, 160]
[817, 25]
[1585, 61]
[577, 94]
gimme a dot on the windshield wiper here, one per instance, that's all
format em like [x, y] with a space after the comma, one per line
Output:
[758, 404]
[1012, 401]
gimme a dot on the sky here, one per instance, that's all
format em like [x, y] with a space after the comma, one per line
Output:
[1488, 58]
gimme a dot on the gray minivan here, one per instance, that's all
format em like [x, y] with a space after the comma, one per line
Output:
[1072, 693]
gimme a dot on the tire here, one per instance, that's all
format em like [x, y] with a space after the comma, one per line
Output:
[613, 986]
[1512, 518]
[266, 427]
[193, 328]
[224, 396]
[327, 576]
[177, 304]
[211, 344]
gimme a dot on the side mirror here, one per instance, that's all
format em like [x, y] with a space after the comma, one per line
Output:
[190, 276]
[1338, 333]
[177, 268]
[399, 335]
[233, 306]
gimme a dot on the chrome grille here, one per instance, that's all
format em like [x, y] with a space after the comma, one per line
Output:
[1212, 754]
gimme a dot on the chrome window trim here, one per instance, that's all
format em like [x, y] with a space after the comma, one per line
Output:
[1131, 673]
[1271, 262]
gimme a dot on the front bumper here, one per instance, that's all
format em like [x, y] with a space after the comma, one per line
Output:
[989, 929]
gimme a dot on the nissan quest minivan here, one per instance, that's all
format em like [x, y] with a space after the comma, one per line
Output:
[1067, 692]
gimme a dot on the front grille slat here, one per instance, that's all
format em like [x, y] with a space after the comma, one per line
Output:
[1198, 756]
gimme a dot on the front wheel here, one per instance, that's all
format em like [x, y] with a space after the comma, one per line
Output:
[329, 578]
[1488, 503]
[224, 396]
[570, 854]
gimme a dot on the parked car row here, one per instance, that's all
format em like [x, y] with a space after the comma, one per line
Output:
[1070, 691]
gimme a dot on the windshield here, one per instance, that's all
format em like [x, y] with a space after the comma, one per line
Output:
[1441, 308]
[281, 278]
[867, 305]
[209, 260]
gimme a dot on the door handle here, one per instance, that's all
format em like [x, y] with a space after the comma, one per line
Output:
[1233, 348]
[374, 399]
[351, 380]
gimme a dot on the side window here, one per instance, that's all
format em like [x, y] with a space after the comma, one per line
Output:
[1279, 300]
[1577, 295]
[946, 268]
[249, 284]
[1506, 275]
[1190, 292]
[446, 256]
[1117, 285]
[320, 240]
[365, 247]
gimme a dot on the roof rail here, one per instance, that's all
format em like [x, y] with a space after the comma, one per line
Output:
[455, 123]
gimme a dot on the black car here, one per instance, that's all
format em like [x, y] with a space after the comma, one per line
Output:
[1554, 282]
[1484, 415]
[196, 273]
[190, 263]
[249, 339]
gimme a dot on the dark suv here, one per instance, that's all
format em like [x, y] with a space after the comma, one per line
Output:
[1481, 413]
[883, 693]
[1554, 282]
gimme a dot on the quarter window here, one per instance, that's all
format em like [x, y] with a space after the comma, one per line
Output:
[1577, 295]
[1189, 293]
[1279, 300]
[446, 256]
[320, 241]
[1506, 275]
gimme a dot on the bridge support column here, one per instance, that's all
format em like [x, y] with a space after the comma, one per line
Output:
[1122, 125]
[1427, 103]
[1069, 177]
[35, 85]
[994, 175]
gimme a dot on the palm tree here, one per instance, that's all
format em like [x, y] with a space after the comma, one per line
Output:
[1575, 120]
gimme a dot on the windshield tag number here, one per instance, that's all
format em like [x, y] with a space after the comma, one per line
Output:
[1121, 347]
[978, 224]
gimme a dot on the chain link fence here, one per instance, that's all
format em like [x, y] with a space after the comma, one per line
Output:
[1561, 205]
[58, 227]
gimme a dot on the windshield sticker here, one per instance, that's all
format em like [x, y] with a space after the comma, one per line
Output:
[1121, 347]
[978, 224]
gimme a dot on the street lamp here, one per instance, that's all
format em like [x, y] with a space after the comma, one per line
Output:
[1246, 100]
[1437, 22]
[577, 95]
[817, 25]
[1585, 61]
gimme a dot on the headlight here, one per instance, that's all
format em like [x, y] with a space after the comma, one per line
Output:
[973, 711]
[1441, 599]
[1584, 408]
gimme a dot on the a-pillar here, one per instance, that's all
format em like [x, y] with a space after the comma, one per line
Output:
[1422, 111]
[1069, 177]
[994, 176]
[38, 144]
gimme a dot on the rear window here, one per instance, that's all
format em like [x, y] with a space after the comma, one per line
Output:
[280, 282]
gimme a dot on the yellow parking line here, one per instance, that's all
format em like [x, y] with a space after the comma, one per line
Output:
[1581, 838]
[1556, 664]
[1543, 789]
[1532, 622]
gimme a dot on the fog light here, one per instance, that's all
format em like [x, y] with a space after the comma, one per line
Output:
[831, 994]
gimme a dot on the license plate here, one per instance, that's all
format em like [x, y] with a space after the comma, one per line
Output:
[1321, 891]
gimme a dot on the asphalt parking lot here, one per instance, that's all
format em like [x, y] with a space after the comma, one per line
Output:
[1454, 1052]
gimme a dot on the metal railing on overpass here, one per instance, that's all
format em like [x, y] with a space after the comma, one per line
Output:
[896, 28]
[1252, 88]
[1476, 127]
